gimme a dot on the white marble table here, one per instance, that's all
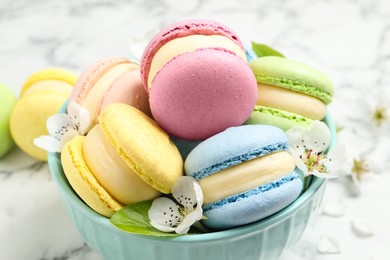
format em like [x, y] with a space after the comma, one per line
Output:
[347, 39]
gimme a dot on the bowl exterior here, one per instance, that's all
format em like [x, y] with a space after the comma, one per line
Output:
[265, 239]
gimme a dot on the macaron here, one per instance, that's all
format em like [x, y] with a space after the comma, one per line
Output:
[198, 79]
[246, 174]
[124, 159]
[289, 92]
[7, 101]
[107, 81]
[42, 95]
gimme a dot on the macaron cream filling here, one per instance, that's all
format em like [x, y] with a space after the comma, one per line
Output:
[292, 101]
[190, 43]
[112, 172]
[101, 86]
[246, 176]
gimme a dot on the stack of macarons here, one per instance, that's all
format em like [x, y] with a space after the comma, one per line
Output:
[193, 106]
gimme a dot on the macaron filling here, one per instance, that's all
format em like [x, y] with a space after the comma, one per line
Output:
[190, 43]
[282, 146]
[292, 101]
[92, 101]
[88, 79]
[112, 172]
[246, 176]
[261, 189]
[83, 181]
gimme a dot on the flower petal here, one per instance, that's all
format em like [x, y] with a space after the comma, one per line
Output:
[58, 124]
[67, 137]
[189, 220]
[84, 121]
[295, 138]
[296, 155]
[317, 136]
[48, 143]
[164, 214]
[335, 159]
[188, 192]
[139, 42]
[79, 116]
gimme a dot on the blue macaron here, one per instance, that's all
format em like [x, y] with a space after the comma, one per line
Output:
[233, 148]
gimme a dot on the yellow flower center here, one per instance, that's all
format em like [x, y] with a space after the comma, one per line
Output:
[314, 161]
[359, 167]
[380, 115]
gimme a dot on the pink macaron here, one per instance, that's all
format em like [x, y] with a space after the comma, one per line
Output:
[198, 79]
[184, 29]
[107, 81]
[201, 93]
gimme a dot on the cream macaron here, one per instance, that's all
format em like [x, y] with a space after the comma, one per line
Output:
[107, 81]
[42, 95]
[124, 159]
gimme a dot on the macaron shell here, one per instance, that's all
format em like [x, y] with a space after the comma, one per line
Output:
[7, 101]
[271, 116]
[293, 75]
[83, 181]
[253, 205]
[232, 147]
[201, 93]
[128, 89]
[49, 74]
[143, 145]
[28, 120]
[182, 29]
[91, 75]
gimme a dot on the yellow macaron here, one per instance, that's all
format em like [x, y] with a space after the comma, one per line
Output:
[41, 96]
[83, 181]
[127, 158]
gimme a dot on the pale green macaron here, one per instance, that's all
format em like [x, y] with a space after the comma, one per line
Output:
[7, 101]
[289, 92]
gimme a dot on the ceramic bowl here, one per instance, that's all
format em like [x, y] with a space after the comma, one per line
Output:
[265, 239]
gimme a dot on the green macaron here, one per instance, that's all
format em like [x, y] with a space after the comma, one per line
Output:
[290, 92]
[7, 101]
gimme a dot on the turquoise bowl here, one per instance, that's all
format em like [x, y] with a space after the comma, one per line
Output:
[265, 239]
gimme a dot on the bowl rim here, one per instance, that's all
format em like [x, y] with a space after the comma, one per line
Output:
[75, 201]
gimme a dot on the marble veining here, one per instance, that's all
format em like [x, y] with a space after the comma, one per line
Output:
[347, 39]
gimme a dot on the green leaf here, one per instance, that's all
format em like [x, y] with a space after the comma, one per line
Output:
[262, 50]
[134, 219]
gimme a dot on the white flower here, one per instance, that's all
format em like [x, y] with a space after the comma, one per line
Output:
[372, 112]
[168, 216]
[63, 127]
[308, 147]
[365, 159]
[139, 42]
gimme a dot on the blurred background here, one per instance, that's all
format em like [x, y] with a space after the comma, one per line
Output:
[347, 39]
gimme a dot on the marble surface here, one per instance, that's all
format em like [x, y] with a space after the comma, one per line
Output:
[347, 39]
